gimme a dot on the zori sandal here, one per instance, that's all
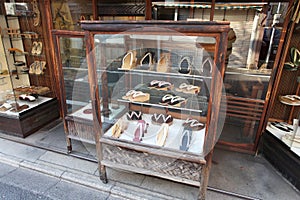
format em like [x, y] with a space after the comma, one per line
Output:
[178, 101]
[40, 67]
[26, 97]
[162, 134]
[206, 65]
[160, 85]
[163, 63]
[166, 99]
[129, 60]
[140, 131]
[189, 89]
[136, 96]
[171, 100]
[293, 100]
[134, 115]
[295, 60]
[147, 61]
[161, 118]
[295, 56]
[185, 65]
[119, 127]
[32, 67]
[185, 139]
[34, 47]
[39, 48]
[193, 124]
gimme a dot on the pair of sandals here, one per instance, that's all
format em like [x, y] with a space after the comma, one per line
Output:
[160, 85]
[140, 131]
[129, 60]
[147, 62]
[37, 67]
[282, 126]
[161, 119]
[161, 135]
[293, 100]
[136, 96]
[295, 60]
[118, 128]
[28, 97]
[36, 48]
[134, 115]
[188, 89]
[190, 125]
[185, 65]
[172, 100]
[5, 107]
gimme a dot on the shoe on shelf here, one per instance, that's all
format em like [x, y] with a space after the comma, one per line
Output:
[147, 61]
[26, 97]
[33, 67]
[293, 100]
[185, 139]
[185, 65]
[39, 48]
[163, 63]
[140, 130]
[162, 134]
[40, 67]
[34, 48]
[129, 60]
[206, 65]
[119, 128]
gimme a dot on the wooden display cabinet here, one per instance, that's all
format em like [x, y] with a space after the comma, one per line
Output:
[27, 102]
[182, 150]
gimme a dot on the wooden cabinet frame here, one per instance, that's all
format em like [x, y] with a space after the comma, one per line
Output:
[195, 169]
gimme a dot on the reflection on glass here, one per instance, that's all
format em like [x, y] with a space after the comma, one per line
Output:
[67, 14]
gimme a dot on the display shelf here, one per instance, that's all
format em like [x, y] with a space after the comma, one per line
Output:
[173, 140]
[172, 73]
[163, 106]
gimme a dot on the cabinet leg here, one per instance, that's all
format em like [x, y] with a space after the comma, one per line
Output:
[69, 145]
[69, 148]
[102, 171]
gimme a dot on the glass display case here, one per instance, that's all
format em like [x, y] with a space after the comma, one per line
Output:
[156, 90]
[26, 98]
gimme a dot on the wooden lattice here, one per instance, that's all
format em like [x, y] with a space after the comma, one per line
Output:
[288, 85]
[163, 165]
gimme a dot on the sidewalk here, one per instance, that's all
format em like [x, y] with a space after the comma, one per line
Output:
[239, 173]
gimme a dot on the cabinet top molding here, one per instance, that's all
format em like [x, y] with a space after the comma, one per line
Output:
[181, 26]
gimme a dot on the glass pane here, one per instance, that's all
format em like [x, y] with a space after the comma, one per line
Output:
[75, 74]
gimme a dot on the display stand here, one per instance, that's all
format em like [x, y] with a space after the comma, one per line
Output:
[118, 57]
